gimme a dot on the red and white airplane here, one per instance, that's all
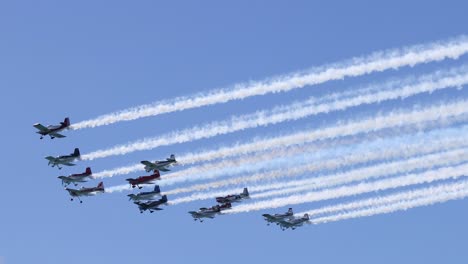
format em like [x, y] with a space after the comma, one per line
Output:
[52, 130]
[85, 191]
[75, 178]
[144, 179]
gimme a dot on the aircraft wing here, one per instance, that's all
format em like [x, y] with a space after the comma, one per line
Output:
[41, 127]
[57, 135]
[50, 158]
[147, 163]
[68, 164]
[163, 169]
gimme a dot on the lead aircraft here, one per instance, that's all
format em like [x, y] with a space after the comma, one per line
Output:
[52, 130]
[75, 178]
[159, 164]
[65, 159]
[85, 191]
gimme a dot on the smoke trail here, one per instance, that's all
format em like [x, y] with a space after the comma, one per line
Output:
[380, 149]
[458, 191]
[376, 62]
[425, 162]
[216, 128]
[389, 199]
[376, 171]
[402, 181]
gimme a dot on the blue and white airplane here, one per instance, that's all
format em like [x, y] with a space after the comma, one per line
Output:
[151, 205]
[293, 223]
[145, 195]
[160, 165]
[65, 159]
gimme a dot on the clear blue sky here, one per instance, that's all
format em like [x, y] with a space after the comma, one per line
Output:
[86, 58]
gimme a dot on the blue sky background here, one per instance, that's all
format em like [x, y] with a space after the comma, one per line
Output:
[86, 58]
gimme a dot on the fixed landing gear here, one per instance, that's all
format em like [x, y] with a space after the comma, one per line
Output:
[42, 137]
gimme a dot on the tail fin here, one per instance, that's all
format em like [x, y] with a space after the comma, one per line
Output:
[245, 192]
[164, 198]
[66, 122]
[306, 216]
[172, 157]
[290, 211]
[156, 173]
[88, 171]
[101, 185]
[157, 189]
[76, 153]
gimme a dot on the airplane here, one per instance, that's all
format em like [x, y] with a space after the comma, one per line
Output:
[205, 213]
[85, 191]
[293, 223]
[276, 218]
[144, 179]
[145, 195]
[74, 178]
[52, 130]
[159, 164]
[65, 159]
[233, 197]
[151, 205]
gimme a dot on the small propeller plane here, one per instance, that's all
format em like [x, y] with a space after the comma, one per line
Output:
[276, 218]
[293, 223]
[205, 213]
[159, 164]
[75, 178]
[53, 130]
[144, 179]
[85, 191]
[145, 195]
[151, 205]
[233, 197]
[65, 159]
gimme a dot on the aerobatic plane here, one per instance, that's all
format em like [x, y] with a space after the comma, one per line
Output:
[65, 159]
[205, 213]
[85, 191]
[151, 205]
[145, 195]
[159, 164]
[233, 197]
[144, 179]
[276, 218]
[293, 223]
[53, 130]
[75, 178]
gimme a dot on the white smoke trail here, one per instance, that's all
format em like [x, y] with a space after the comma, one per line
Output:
[376, 62]
[402, 181]
[375, 171]
[389, 199]
[381, 149]
[370, 124]
[458, 191]
[398, 167]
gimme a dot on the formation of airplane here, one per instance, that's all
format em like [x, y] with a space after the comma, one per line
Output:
[145, 195]
[233, 197]
[53, 130]
[151, 205]
[65, 159]
[160, 165]
[146, 200]
[136, 182]
[85, 191]
[76, 178]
